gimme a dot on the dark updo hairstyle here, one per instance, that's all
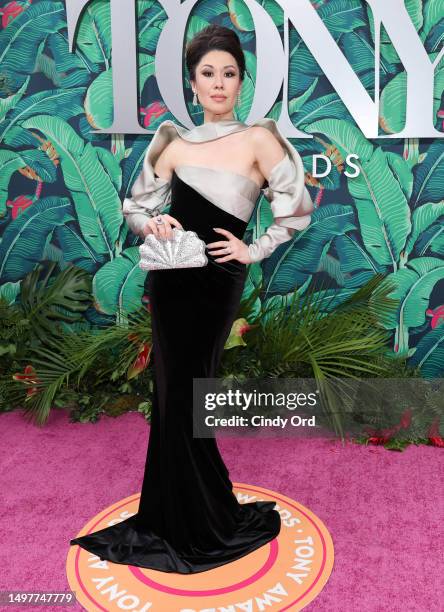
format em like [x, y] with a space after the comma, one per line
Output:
[214, 37]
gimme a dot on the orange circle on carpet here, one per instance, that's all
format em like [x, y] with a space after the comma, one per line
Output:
[285, 574]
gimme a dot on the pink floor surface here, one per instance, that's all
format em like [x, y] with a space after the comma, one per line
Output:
[384, 509]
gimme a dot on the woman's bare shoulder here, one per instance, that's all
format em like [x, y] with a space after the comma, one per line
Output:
[262, 136]
[268, 149]
[166, 162]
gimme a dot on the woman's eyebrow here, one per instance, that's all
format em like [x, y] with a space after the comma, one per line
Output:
[229, 66]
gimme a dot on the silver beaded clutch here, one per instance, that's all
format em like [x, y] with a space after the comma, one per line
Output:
[184, 250]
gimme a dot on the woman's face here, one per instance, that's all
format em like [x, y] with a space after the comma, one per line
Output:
[217, 82]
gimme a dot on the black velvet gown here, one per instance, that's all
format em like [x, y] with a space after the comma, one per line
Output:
[189, 519]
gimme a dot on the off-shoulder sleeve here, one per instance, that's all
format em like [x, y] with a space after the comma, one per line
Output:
[289, 199]
[150, 194]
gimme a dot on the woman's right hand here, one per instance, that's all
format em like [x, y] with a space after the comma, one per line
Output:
[163, 230]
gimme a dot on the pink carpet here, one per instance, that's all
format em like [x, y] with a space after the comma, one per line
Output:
[384, 509]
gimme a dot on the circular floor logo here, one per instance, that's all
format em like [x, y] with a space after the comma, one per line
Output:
[285, 574]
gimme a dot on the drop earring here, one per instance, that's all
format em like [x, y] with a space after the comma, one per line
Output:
[195, 100]
[238, 99]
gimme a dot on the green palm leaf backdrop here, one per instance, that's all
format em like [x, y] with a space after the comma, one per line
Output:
[61, 186]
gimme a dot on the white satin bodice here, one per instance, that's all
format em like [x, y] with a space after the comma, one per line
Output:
[233, 192]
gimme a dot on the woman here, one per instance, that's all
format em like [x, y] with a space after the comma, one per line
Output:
[189, 519]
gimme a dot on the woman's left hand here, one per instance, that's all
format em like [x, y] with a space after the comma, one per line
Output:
[237, 248]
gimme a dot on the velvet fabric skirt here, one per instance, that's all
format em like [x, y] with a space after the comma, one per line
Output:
[189, 520]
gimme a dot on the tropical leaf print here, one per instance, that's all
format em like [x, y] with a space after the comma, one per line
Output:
[62, 185]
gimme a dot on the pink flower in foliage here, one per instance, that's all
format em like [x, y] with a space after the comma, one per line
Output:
[406, 419]
[437, 315]
[38, 189]
[381, 436]
[156, 109]
[433, 435]
[18, 205]
[29, 378]
[9, 12]
[319, 195]
[142, 360]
